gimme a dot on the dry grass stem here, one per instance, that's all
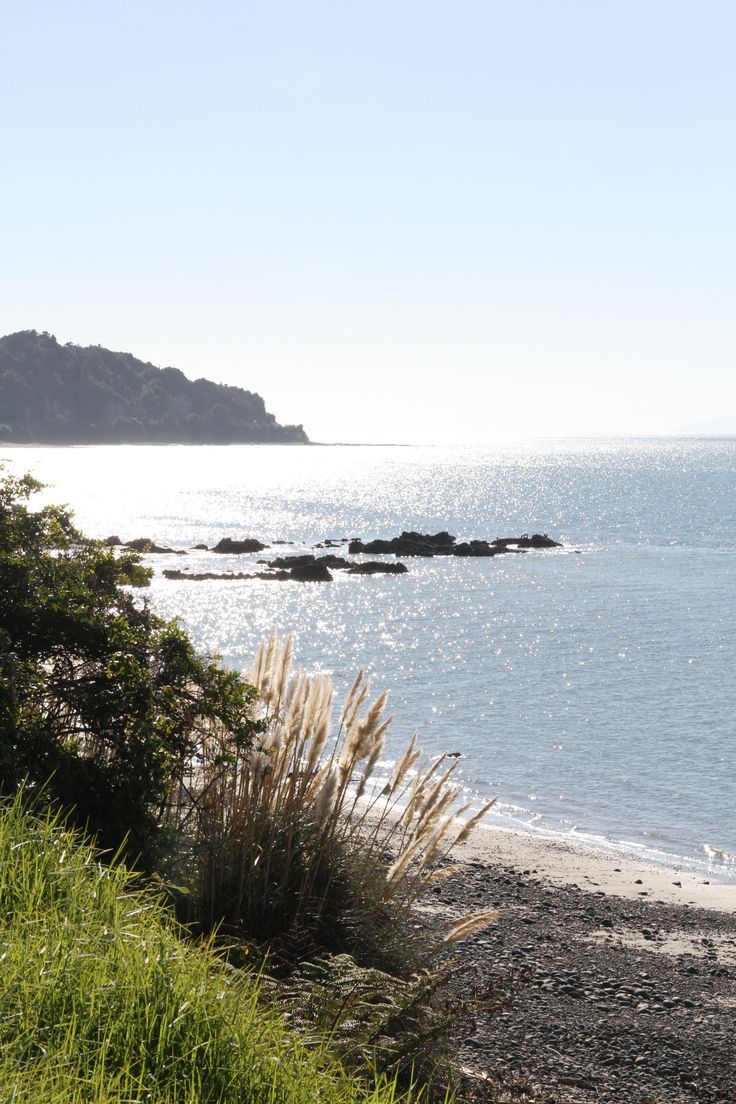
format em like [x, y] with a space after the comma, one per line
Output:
[469, 925]
[270, 820]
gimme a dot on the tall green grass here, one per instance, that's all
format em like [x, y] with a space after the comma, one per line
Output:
[102, 1001]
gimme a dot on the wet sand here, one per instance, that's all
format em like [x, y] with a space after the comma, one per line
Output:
[561, 863]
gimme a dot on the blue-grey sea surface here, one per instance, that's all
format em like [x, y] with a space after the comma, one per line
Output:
[591, 688]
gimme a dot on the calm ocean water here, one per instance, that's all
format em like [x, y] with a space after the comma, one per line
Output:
[593, 692]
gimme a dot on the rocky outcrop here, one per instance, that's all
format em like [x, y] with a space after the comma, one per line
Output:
[236, 547]
[537, 540]
[202, 576]
[308, 573]
[311, 568]
[303, 569]
[443, 544]
[290, 562]
[338, 563]
[377, 567]
[311, 573]
[478, 548]
[148, 547]
[408, 544]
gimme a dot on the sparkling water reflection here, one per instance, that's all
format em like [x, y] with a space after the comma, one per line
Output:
[593, 691]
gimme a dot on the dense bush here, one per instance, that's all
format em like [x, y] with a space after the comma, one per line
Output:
[101, 702]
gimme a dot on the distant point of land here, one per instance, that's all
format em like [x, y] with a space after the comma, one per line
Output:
[73, 395]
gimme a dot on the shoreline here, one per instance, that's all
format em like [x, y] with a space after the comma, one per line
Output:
[614, 983]
[560, 863]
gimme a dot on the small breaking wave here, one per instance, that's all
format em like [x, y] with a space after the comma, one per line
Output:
[719, 857]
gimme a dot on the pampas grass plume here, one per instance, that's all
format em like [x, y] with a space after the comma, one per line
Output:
[469, 925]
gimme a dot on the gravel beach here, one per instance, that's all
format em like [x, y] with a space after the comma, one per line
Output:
[622, 975]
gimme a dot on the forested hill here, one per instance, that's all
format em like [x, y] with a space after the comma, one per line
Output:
[67, 394]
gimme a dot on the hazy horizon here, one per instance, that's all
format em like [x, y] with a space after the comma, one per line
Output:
[409, 220]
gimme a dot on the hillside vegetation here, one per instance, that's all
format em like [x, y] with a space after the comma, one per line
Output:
[240, 799]
[103, 1002]
[67, 394]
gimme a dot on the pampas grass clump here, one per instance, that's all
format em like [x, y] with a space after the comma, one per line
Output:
[292, 838]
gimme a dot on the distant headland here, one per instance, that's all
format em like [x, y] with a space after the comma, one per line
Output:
[69, 395]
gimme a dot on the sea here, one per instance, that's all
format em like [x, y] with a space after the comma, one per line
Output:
[590, 687]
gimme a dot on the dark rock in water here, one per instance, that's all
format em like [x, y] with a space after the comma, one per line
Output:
[202, 576]
[537, 540]
[112, 542]
[376, 567]
[311, 573]
[308, 573]
[200, 548]
[235, 547]
[444, 544]
[437, 540]
[289, 562]
[147, 546]
[281, 542]
[332, 542]
[477, 548]
[336, 563]
[408, 544]
[380, 547]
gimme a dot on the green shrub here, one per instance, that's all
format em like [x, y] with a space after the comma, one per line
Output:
[239, 789]
[101, 703]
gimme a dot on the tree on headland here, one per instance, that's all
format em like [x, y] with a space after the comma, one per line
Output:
[67, 394]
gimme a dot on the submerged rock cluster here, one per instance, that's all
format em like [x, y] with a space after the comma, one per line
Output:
[311, 568]
[443, 544]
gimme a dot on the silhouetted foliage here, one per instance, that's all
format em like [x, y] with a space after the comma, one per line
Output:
[101, 702]
[68, 394]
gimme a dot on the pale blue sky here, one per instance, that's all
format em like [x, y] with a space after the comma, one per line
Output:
[387, 218]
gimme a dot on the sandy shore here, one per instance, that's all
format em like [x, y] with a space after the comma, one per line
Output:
[560, 864]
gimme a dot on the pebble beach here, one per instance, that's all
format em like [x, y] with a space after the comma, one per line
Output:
[621, 975]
